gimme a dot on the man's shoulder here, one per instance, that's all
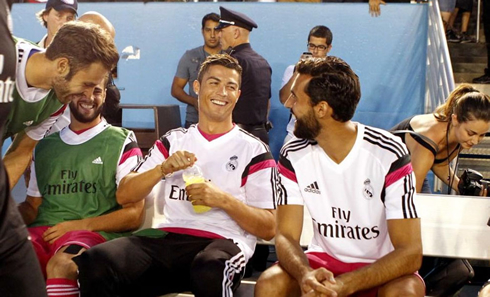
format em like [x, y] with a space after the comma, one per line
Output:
[194, 52]
[297, 147]
[382, 144]
[380, 135]
[22, 43]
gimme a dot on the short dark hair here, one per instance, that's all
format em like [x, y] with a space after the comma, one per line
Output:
[321, 32]
[332, 81]
[83, 44]
[222, 60]
[209, 17]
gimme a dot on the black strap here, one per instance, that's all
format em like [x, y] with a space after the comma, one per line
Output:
[423, 140]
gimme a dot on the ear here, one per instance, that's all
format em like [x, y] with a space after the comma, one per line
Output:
[236, 33]
[45, 16]
[322, 109]
[62, 66]
[329, 48]
[454, 120]
[196, 86]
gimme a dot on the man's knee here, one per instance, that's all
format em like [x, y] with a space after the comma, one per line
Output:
[215, 270]
[276, 282]
[61, 265]
[406, 286]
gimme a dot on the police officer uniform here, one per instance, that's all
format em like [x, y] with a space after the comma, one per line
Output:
[251, 110]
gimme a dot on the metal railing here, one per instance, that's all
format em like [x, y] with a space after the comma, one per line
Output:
[439, 78]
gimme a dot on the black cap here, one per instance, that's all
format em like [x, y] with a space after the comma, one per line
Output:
[59, 5]
[230, 17]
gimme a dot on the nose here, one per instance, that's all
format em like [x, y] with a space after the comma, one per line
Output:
[290, 101]
[476, 140]
[221, 91]
[213, 33]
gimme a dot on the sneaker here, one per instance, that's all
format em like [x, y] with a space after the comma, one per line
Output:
[465, 38]
[452, 37]
[484, 79]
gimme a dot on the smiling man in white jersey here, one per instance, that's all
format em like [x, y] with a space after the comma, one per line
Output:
[358, 185]
[201, 252]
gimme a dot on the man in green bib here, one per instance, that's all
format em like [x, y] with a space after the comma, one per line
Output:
[71, 202]
[76, 61]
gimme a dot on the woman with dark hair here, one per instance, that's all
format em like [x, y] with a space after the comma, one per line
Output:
[434, 140]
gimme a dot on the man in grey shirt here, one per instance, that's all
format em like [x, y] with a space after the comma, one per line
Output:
[189, 66]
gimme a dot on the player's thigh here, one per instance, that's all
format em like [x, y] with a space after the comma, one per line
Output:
[409, 285]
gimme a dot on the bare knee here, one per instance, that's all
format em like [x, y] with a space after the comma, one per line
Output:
[276, 282]
[61, 265]
[406, 286]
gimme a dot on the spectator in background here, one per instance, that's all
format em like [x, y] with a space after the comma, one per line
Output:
[71, 202]
[251, 111]
[446, 7]
[466, 7]
[189, 67]
[485, 78]
[54, 15]
[319, 43]
[20, 275]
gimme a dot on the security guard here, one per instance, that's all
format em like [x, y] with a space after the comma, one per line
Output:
[252, 108]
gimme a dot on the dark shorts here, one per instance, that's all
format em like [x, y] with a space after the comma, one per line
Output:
[465, 5]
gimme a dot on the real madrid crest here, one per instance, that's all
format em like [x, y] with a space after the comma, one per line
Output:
[232, 164]
[368, 190]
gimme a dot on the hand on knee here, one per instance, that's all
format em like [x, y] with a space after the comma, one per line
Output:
[61, 265]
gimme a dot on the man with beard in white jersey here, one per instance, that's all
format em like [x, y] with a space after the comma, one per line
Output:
[210, 227]
[358, 185]
[71, 202]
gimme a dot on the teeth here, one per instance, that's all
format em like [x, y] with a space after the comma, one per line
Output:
[87, 105]
[222, 103]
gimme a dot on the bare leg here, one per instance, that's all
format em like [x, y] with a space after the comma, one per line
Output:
[410, 285]
[275, 281]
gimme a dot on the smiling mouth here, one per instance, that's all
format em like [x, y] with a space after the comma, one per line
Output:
[218, 102]
[87, 106]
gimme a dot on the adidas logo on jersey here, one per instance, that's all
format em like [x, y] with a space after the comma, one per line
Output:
[97, 160]
[313, 188]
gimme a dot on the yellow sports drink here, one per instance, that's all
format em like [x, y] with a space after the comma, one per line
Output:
[193, 175]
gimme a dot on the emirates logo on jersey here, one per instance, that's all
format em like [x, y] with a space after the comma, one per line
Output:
[232, 164]
[368, 191]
